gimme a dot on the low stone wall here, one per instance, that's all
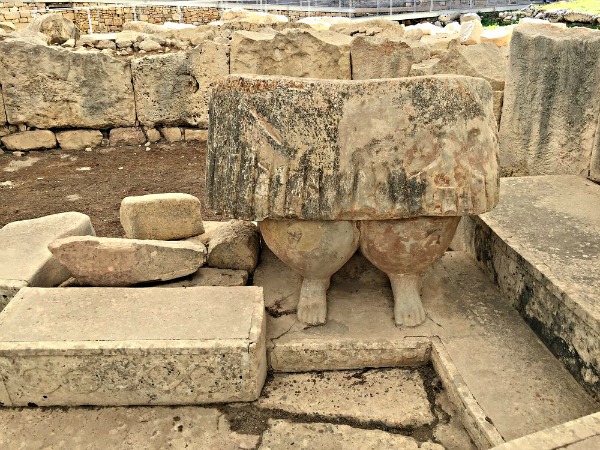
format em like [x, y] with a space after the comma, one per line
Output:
[150, 82]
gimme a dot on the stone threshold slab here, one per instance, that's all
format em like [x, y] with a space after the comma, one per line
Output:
[132, 346]
[541, 246]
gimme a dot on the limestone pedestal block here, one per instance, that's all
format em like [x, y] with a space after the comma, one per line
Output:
[120, 346]
[292, 148]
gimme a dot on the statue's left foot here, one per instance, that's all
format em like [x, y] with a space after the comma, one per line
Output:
[312, 306]
[408, 309]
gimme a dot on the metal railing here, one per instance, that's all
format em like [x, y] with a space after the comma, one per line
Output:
[349, 8]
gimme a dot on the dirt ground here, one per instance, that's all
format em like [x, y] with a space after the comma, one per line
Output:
[52, 181]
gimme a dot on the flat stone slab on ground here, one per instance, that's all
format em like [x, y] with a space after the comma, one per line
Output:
[542, 245]
[325, 436]
[580, 434]
[394, 397]
[98, 261]
[120, 428]
[24, 256]
[519, 384]
[132, 346]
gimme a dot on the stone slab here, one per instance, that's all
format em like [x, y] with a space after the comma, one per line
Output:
[210, 276]
[542, 247]
[119, 428]
[393, 397]
[551, 111]
[325, 436]
[50, 87]
[352, 150]
[521, 387]
[580, 434]
[515, 383]
[24, 256]
[90, 346]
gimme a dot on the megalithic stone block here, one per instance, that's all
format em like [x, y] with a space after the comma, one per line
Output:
[309, 149]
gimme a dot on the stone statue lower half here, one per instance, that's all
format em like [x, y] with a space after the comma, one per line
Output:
[403, 249]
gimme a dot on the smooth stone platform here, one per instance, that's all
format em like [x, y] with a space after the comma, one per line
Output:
[541, 245]
[24, 256]
[132, 346]
[513, 377]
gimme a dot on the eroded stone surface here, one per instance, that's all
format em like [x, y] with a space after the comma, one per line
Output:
[324, 436]
[173, 89]
[293, 52]
[551, 113]
[374, 57]
[87, 346]
[119, 428]
[394, 397]
[50, 87]
[24, 256]
[58, 28]
[335, 150]
[161, 216]
[127, 136]
[30, 140]
[79, 139]
[210, 276]
[231, 245]
[125, 262]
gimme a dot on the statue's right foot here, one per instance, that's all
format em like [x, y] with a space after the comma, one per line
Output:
[312, 306]
[408, 309]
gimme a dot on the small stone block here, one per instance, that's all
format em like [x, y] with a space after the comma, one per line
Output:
[128, 346]
[161, 216]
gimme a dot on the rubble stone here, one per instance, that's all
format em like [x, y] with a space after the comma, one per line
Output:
[79, 139]
[58, 28]
[30, 140]
[125, 262]
[293, 52]
[126, 136]
[161, 216]
[231, 245]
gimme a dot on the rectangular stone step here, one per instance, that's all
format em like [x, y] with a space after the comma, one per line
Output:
[132, 346]
[541, 245]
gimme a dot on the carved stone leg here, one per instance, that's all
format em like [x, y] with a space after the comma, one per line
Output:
[403, 249]
[316, 250]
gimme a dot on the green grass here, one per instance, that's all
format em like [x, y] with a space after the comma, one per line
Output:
[589, 6]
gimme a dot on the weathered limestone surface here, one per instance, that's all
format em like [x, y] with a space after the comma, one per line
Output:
[24, 256]
[551, 113]
[293, 52]
[231, 245]
[374, 57]
[579, 434]
[96, 346]
[79, 139]
[542, 247]
[125, 262]
[324, 436]
[399, 400]
[58, 28]
[50, 87]
[161, 216]
[482, 60]
[171, 134]
[30, 140]
[120, 428]
[127, 136]
[2, 110]
[211, 276]
[357, 150]
[173, 89]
